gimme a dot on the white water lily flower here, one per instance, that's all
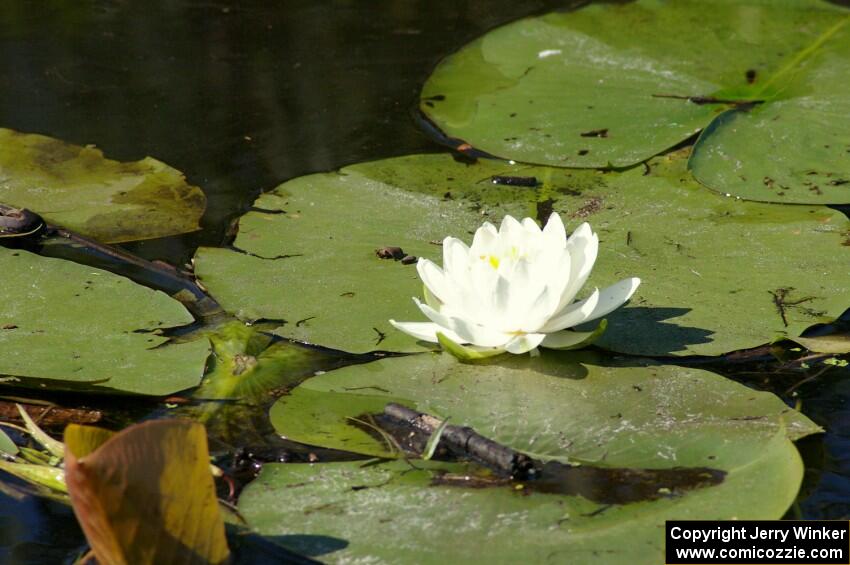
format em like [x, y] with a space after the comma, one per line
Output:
[513, 290]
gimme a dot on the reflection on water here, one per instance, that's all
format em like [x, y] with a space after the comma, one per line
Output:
[240, 96]
[36, 531]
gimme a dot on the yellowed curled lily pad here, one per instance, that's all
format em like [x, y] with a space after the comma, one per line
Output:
[79, 189]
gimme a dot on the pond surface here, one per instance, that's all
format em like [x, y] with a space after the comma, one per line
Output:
[243, 96]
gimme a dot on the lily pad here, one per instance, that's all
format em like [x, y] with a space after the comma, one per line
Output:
[68, 325]
[718, 274]
[610, 85]
[620, 416]
[345, 510]
[81, 190]
[634, 414]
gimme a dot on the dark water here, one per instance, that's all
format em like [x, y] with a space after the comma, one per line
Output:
[242, 96]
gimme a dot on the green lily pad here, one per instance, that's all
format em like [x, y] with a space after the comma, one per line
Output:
[649, 415]
[68, 325]
[345, 511]
[561, 406]
[718, 274]
[610, 85]
[81, 190]
[310, 258]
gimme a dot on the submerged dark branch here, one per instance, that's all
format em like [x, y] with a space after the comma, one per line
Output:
[23, 228]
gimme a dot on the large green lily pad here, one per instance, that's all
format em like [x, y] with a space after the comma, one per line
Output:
[634, 414]
[559, 406]
[69, 325]
[614, 84]
[718, 274]
[348, 511]
[79, 189]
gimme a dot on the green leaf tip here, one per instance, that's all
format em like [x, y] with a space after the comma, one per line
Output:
[467, 353]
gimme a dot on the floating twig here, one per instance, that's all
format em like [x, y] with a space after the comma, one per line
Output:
[466, 442]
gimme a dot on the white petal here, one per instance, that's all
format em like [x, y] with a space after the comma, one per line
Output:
[554, 233]
[523, 291]
[574, 314]
[500, 299]
[466, 331]
[584, 247]
[581, 234]
[477, 334]
[539, 312]
[546, 266]
[434, 279]
[426, 331]
[430, 299]
[475, 304]
[456, 261]
[484, 240]
[613, 297]
[509, 225]
[556, 275]
[524, 343]
[512, 236]
[530, 225]
[437, 317]
[568, 339]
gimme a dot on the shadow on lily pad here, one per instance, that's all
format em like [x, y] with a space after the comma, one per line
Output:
[310, 545]
[640, 330]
